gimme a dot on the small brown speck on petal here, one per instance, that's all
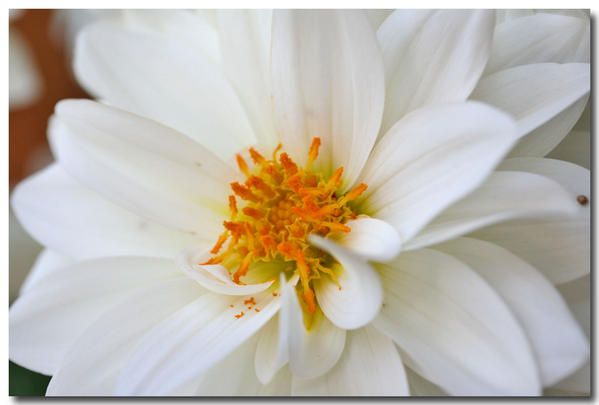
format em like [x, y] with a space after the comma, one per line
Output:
[582, 199]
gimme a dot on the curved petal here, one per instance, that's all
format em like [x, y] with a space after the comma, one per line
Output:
[559, 248]
[232, 376]
[358, 298]
[575, 148]
[438, 60]
[192, 341]
[371, 239]
[141, 165]
[215, 278]
[280, 385]
[577, 294]
[370, 366]
[539, 38]
[432, 158]
[311, 353]
[272, 352]
[506, 195]
[421, 387]
[77, 222]
[457, 331]
[47, 320]
[545, 99]
[327, 81]
[189, 93]
[46, 263]
[245, 46]
[91, 366]
[558, 342]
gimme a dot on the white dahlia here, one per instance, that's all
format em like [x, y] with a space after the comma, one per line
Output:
[275, 203]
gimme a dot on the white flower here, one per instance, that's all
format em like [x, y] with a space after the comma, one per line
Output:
[133, 296]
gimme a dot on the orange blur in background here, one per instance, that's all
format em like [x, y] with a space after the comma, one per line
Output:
[28, 145]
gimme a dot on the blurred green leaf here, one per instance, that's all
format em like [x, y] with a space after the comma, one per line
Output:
[23, 382]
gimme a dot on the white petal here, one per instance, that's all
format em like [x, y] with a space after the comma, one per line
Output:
[192, 341]
[458, 332]
[280, 385]
[371, 239]
[577, 294]
[439, 60]
[358, 298]
[506, 195]
[92, 364]
[272, 351]
[46, 320]
[77, 222]
[377, 16]
[311, 353]
[421, 387]
[245, 46]
[46, 263]
[545, 99]
[327, 81]
[200, 35]
[141, 165]
[232, 376]
[369, 366]
[538, 38]
[215, 278]
[559, 248]
[189, 93]
[432, 158]
[559, 344]
[575, 148]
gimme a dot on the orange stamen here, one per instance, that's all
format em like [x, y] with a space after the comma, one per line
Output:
[272, 213]
[219, 243]
[288, 164]
[314, 147]
[243, 192]
[355, 193]
[243, 166]
[335, 179]
[233, 206]
[253, 212]
[256, 156]
[243, 269]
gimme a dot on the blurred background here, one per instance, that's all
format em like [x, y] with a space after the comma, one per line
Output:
[40, 46]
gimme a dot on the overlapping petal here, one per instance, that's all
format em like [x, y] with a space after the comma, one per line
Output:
[558, 342]
[190, 93]
[432, 158]
[505, 195]
[327, 81]
[432, 57]
[539, 38]
[48, 319]
[369, 366]
[546, 100]
[91, 366]
[66, 217]
[560, 248]
[141, 165]
[357, 298]
[456, 330]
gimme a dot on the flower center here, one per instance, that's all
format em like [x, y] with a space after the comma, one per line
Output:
[275, 210]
